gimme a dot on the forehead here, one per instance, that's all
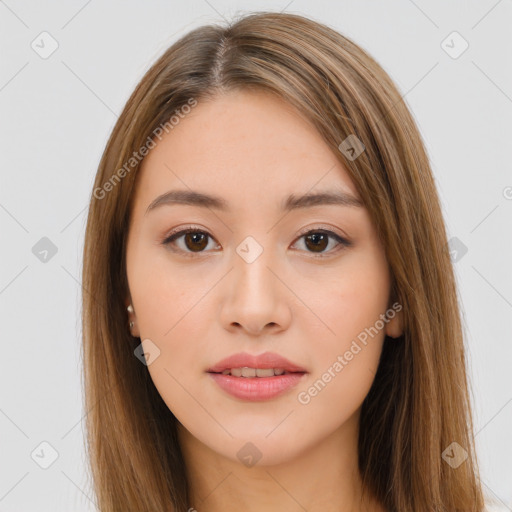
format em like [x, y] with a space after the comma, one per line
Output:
[243, 143]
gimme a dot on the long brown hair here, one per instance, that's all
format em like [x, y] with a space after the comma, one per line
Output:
[419, 403]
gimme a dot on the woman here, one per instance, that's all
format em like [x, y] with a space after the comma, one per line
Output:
[270, 314]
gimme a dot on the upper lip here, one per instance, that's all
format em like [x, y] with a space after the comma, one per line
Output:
[265, 360]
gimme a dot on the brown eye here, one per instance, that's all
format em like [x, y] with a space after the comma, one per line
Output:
[194, 241]
[317, 242]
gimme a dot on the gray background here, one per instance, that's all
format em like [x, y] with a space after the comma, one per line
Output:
[57, 112]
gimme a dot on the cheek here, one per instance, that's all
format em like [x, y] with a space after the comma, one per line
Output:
[173, 311]
[164, 292]
[351, 301]
[348, 351]
[175, 323]
[345, 364]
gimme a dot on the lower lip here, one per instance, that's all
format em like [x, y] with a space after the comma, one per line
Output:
[257, 388]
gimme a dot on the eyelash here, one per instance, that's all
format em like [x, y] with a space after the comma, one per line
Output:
[171, 237]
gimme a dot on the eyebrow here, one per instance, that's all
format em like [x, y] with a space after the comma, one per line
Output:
[292, 202]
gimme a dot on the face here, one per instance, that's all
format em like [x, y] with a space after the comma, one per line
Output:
[256, 273]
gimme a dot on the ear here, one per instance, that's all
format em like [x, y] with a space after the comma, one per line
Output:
[395, 326]
[132, 318]
[395, 312]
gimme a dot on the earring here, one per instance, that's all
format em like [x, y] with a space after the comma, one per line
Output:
[130, 310]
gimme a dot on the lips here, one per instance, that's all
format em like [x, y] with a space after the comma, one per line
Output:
[261, 361]
[237, 377]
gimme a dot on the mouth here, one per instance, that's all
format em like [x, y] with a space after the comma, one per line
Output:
[248, 365]
[256, 377]
[255, 373]
[256, 384]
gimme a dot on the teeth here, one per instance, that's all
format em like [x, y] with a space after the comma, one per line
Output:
[253, 372]
[267, 372]
[249, 372]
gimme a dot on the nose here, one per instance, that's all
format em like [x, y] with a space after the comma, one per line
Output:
[254, 297]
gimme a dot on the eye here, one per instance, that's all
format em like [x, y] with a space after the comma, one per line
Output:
[194, 240]
[317, 240]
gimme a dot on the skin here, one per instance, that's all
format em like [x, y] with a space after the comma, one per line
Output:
[253, 150]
